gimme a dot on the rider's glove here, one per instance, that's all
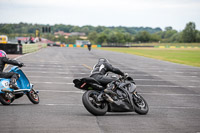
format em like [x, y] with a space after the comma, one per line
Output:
[125, 75]
[21, 64]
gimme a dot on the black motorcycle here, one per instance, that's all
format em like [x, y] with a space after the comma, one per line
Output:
[121, 97]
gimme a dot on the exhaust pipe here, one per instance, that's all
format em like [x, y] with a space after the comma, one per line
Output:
[108, 98]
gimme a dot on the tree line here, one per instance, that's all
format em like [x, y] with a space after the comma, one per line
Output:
[108, 35]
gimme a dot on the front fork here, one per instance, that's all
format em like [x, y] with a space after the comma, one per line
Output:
[33, 89]
[136, 97]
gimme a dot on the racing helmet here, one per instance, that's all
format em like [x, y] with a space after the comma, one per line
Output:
[102, 60]
[2, 53]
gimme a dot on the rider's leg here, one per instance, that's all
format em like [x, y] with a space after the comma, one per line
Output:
[8, 75]
[13, 81]
[106, 81]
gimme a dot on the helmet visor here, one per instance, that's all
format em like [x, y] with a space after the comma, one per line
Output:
[103, 60]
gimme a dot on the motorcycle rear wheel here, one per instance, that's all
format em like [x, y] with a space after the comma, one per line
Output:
[33, 97]
[90, 103]
[141, 106]
[4, 100]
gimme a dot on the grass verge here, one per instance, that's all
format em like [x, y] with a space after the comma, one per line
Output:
[182, 56]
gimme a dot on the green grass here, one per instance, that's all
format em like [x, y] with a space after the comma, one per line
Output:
[182, 56]
[167, 44]
[28, 48]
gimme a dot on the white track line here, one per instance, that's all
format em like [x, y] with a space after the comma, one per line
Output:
[21, 57]
[174, 107]
[168, 86]
[79, 92]
[151, 107]
[174, 94]
[145, 75]
[154, 80]
[49, 77]
[53, 72]
[144, 93]
[53, 104]
[51, 83]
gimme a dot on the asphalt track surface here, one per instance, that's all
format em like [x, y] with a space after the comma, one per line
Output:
[171, 90]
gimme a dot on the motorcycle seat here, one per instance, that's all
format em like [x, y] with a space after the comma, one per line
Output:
[90, 80]
[80, 83]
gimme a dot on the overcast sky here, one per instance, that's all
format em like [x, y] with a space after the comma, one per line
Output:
[131, 13]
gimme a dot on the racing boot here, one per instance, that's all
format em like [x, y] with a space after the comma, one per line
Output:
[13, 84]
[5, 90]
[109, 89]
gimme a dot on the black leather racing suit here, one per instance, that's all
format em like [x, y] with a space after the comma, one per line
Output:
[12, 75]
[99, 72]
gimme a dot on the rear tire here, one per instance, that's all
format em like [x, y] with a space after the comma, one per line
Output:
[89, 101]
[141, 106]
[4, 100]
[33, 97]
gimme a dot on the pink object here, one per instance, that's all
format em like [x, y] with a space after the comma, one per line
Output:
[2, 53]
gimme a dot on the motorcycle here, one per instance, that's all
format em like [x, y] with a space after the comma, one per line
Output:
[122, 98]
[89, 47]
[8, 95]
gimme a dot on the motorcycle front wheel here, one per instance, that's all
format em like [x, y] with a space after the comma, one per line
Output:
[33, 96]
[90, 102]
[141, 106]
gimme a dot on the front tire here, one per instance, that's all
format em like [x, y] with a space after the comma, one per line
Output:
[141, 106]
[91, 104]
[33, 96]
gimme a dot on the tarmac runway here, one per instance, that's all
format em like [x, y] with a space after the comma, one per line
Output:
[171, 90]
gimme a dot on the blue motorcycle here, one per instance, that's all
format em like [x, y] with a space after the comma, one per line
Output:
[8, 95]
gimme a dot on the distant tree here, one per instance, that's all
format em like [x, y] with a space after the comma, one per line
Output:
[154, 38]
[168, 28]
[102, 38]
[198, 37]
[102, 34]
[75, 29]
[6, 29]
[93, 37]
[189, 33]
[120, 37]
[85, 30]
[128, 37]
[72, 39]
[142, 37]
[174, 38]
[112, 38]
[100, 29]
[61, 39]
[167, 34]
[108, 31]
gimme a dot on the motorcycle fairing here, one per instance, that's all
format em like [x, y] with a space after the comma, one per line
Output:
[22, 82]
[120, 106]
[126, 104]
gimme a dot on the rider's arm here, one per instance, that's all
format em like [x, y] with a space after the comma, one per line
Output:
[12, 62]
[114, 70]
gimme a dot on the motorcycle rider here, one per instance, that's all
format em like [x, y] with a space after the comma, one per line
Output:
[89, 45]
[13, 76]
[99, 73]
